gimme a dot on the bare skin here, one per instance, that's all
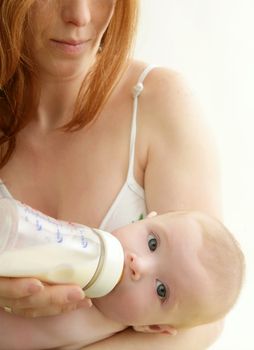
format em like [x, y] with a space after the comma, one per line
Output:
[198, 338]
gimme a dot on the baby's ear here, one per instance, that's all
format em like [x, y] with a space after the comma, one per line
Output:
[156, 328]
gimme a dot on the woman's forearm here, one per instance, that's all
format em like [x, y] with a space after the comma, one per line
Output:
[198, 338]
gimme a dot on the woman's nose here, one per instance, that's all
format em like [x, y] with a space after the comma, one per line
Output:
[76, 12]
[138, 267]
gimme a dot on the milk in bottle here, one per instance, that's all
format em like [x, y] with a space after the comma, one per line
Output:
[35, 245]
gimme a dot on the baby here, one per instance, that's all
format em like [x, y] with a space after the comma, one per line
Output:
[182, 269]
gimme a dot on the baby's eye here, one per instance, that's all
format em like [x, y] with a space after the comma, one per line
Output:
[152, 242]
[161, 290]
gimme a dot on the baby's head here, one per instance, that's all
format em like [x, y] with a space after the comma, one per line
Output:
[181, 269]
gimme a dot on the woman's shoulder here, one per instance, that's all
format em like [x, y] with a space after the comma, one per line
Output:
[166, 98]
[159, 82]
[157, 78]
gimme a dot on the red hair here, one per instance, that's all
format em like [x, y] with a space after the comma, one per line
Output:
[18, 77]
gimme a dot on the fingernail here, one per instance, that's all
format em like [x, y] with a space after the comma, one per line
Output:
[75, 295]
[34, 287]
[86, 303]
[8, 309]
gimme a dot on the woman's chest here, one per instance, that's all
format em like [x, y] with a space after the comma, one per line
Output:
[76, 177]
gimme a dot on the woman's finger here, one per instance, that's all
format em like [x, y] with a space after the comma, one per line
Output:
[50, 296]
[15, 288]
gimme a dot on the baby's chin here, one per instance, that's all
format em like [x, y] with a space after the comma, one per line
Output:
[109, 309]
[107, 303]
[117, 308]
[120, 305]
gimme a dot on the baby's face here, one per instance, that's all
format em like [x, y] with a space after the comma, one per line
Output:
[163, 275]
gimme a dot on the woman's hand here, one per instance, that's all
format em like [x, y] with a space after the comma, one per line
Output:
[31, 298]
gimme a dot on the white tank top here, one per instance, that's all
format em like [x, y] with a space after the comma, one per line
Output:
[129, 204]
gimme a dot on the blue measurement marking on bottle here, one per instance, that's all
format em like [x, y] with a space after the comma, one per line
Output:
[38, 225]
[84, 241]
[59, 235]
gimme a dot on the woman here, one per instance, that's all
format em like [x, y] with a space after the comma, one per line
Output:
[79, 144]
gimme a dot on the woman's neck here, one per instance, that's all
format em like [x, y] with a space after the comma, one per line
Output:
[57, 101]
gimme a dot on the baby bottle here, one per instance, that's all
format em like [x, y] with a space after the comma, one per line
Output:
[35, 245]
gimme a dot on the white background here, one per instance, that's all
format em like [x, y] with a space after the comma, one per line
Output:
[212, 43]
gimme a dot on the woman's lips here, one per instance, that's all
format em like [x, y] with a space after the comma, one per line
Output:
[70, 46]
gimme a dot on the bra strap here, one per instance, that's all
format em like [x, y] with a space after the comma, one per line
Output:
[137, 89]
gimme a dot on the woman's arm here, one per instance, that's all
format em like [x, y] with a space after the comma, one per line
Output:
[197, 338]
[182, 173]
[70, 330]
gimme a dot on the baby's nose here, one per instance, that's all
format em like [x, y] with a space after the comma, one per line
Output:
[136, 266]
